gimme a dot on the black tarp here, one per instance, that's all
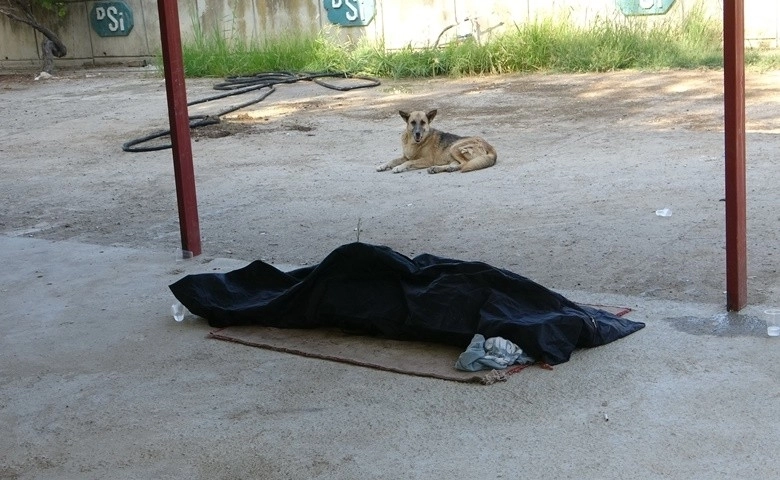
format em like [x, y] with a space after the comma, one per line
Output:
[374, 290]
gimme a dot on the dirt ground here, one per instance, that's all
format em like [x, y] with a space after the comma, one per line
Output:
[98, 381]
[585, 160]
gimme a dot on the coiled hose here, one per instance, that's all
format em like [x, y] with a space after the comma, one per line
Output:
[240, 85]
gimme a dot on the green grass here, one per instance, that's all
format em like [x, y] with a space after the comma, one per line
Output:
[763, 60]
[546, 45]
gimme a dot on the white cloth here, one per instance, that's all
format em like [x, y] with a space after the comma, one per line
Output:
[493, 353]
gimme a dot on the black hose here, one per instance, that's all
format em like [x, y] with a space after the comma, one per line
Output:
[240, 85]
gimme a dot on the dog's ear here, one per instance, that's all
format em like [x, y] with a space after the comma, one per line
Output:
[404, 115]
[431, 114]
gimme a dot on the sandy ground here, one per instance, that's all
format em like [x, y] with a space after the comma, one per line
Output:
[584, 163]
[99, 382]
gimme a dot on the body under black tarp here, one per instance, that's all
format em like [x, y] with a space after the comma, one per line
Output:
[374, 290]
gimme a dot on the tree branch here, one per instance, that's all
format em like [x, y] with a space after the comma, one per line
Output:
[60, 49]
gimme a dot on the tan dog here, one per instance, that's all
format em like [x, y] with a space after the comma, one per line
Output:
[426, 147]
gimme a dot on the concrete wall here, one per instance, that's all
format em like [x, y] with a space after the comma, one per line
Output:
[20, 44]
[398, 22]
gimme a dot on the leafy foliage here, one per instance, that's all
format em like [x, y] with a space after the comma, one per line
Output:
[25, 11]
[28, 8]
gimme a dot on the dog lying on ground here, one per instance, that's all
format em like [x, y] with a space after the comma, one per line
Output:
[426, 147]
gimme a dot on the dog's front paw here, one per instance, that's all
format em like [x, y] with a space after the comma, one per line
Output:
[383, 167]
[432, 170]
[399, 169]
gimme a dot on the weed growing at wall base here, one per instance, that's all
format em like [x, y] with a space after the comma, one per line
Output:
[546, 45]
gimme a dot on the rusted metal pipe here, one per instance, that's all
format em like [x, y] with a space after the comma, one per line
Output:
[734, 117]
[178, 117]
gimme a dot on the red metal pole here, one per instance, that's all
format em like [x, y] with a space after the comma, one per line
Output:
[178, 116]
[734, 109]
